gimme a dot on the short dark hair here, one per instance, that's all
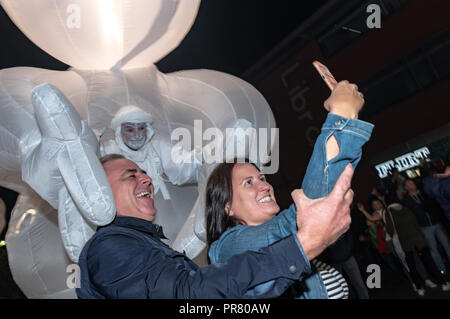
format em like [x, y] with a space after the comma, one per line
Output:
[219, 194]
[110, 157]
[408, 179]
[428, 170]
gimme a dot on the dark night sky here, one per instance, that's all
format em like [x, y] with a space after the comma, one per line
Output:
[231, 35]
[227, 35]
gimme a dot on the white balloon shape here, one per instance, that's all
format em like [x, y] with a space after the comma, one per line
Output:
[37, 258]
[104, 34]
[2, 215]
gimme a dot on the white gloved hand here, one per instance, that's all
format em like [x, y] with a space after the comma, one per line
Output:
[236, 143]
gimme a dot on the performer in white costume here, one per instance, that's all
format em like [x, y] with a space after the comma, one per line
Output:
[136, 139]
[2, 215]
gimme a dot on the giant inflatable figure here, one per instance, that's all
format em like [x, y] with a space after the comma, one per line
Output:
[51, 123]
[2, 215]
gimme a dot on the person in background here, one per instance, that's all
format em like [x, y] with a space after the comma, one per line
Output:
[401, 220]
[381, 239]
[340, 256]
[427, 214]
[397, 182]
[437, 186]
[364, 252]
[378, 192]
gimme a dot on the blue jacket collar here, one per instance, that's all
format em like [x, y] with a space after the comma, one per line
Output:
[139, 224]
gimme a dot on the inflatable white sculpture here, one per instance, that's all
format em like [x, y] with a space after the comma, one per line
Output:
[48, 149]
[2, 215]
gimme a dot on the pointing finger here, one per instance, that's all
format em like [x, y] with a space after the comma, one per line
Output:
[300, 199]
[297, 195]
[343, 183]
[348, 197]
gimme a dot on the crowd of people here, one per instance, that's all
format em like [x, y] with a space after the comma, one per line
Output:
[404, 226]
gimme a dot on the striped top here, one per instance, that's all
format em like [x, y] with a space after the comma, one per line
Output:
[334, 282]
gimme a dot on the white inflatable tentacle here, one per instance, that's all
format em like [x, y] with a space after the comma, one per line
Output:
[36, 255]
[241, 107]
[75, 230]
[17, 126]
[76, 157]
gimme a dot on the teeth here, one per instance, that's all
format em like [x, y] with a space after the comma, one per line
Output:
[143, 194]
[265, 199]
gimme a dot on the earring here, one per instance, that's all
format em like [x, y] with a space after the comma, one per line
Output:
[229, 209]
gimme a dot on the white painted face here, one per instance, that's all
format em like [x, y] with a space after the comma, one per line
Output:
[134, 135]
[99, 35]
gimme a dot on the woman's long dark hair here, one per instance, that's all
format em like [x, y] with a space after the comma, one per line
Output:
[219, 194]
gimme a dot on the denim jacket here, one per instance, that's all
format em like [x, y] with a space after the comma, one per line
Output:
[320, 178]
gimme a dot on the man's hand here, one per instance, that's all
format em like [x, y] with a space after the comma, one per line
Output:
[322, 221]
[345, 100]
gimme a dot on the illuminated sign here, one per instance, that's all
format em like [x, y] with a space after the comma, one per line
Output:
[402, 162]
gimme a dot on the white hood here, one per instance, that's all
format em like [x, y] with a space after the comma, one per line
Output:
[132, 114]
[146, 157]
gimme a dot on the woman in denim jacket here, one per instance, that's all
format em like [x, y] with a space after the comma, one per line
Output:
[241, 210]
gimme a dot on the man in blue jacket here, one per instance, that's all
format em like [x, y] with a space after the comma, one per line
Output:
[127, 259]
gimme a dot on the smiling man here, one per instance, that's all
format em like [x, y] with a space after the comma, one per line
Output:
[127, 259]
[134, 186]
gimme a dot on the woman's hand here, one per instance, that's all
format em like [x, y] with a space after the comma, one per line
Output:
[345, 100]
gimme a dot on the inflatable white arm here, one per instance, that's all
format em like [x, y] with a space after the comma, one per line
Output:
[2, 215]
[186, 165]
[225, 102]
[192, 236]
[64, 169]
[66, 157]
